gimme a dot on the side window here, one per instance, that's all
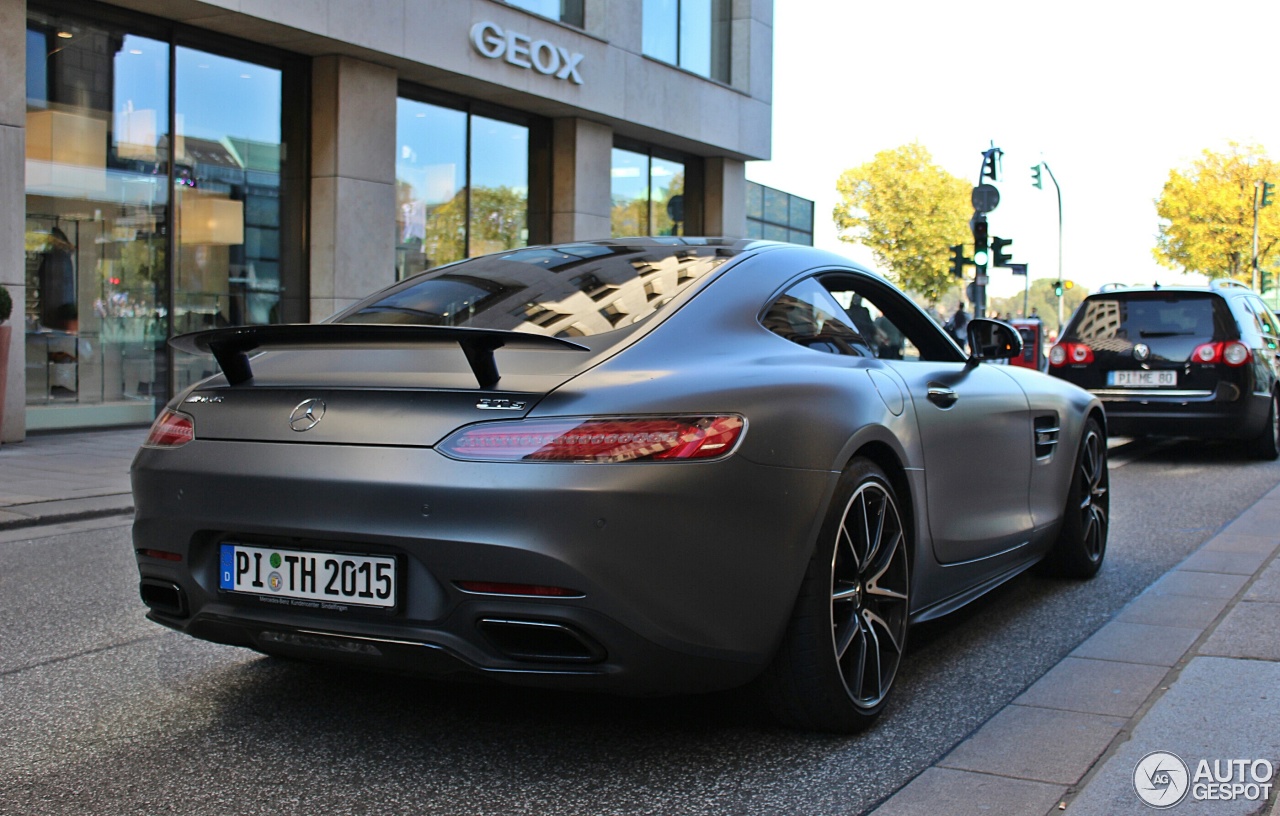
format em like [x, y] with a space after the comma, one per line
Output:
[1263, 316]
[841, 313]
[807, 314]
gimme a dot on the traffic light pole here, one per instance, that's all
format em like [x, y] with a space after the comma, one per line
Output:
[1054, 179]
[1256, 185]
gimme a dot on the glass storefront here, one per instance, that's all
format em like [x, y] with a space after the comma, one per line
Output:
[462, 185]
[647, 193]
[142, 221]
[775, 215]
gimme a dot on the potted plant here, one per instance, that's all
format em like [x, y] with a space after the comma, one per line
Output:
[6, 309]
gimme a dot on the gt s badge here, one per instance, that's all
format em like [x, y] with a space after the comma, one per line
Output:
[500, 405]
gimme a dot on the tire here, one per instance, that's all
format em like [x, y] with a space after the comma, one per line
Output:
[1086, 517]
[1266, 445]
[843, 645]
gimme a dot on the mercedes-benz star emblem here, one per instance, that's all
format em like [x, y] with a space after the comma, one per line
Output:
[1141, 351]
[307, 415]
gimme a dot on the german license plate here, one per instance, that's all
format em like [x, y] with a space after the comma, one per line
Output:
[1142, 379]
[361, 580]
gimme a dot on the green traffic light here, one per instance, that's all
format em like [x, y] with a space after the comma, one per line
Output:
[980, 257]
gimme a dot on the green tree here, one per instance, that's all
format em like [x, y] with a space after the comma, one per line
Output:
[908, 211]
[1043, 300]
[1206, 214]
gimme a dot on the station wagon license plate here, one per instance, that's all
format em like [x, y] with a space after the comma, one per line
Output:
[1142, 379]
[361, 580]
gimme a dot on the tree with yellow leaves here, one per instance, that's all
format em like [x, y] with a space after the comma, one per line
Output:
[1206, 214]
[908, 211]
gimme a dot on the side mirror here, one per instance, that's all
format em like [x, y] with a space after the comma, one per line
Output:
[993, 340]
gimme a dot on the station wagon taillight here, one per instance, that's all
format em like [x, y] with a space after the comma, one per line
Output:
[1232, 353]
[1075, 353]
[170, 430]
[621, 439]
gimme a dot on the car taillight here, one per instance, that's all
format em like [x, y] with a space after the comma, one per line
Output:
[622, 439]
[170, 430]
[1232, 353]
[1064, 353]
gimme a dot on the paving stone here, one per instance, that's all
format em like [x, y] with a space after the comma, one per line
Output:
[1251, 630]
[1040, 744]
[1173, 610]
[1236, 563]
[963, 793]
[1094, 687]
[1267, 585]
[1139, 643]
[1198, 584]
[1233, 542]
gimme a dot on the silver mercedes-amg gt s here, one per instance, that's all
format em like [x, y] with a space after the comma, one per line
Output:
[640, 465]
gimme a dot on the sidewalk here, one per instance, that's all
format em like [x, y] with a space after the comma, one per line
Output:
[67, 476]
[1190, 667]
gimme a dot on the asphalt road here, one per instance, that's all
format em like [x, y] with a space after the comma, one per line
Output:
[105, 713]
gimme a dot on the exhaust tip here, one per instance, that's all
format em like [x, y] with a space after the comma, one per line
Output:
[541, 641]
[164, 597]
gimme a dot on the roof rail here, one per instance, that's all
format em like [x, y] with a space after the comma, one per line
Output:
[1227, 283]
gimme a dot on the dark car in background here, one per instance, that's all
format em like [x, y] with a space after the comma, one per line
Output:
[641, 465]
[1178, 361]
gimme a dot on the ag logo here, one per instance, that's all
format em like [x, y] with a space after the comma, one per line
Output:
[1161, 779]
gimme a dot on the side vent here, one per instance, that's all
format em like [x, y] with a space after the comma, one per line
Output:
[1047, 432]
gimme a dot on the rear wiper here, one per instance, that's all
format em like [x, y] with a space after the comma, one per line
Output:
[1163, 333]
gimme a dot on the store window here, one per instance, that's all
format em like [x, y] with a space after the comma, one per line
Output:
[648, 194]
[143, 220]
[693, 34]
[778, 216]
[462, 185]
[566, 11]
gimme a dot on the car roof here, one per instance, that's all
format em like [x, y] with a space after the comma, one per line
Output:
[1223, 286]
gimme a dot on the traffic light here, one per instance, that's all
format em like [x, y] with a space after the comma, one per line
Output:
[1069, 284]
[1036, 179]
[1057, 288]
[980, 240]
[958, 260]
[991, 163]
[1264, 281]
[998, 256]
[1267, 187]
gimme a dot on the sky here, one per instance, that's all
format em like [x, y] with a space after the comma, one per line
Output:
[1112, 95]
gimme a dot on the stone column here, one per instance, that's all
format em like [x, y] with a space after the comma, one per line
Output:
[581, 158]
[353, 169]
[725, 197]
[13, 125]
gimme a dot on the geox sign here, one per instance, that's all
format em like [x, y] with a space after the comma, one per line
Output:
[519, 50]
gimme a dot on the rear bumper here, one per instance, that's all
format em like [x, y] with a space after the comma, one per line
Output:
[687, 571]
[1244, 417]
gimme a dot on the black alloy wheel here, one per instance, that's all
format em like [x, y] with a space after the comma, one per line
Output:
[1082, 542]
[845, 642]
[1266, 445]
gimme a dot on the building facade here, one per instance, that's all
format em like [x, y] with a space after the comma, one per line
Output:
[173, 165]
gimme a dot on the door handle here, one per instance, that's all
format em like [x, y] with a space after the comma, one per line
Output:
[942, 396]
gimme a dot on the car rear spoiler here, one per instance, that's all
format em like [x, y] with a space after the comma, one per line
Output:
[231, 346]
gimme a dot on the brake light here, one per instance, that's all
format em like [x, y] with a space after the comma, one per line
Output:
[170, 430]
[1233, 353]
[622, 439]
[1076, 353]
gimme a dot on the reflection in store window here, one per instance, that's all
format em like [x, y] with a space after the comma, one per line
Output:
[439, 218]
[96, 160]
[648, 195]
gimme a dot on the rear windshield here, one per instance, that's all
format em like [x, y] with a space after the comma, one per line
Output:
[565, 291]
[1150, 316]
